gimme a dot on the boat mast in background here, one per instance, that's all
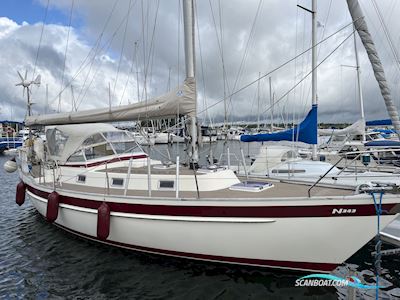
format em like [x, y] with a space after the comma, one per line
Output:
[366, 38]
[271, 101]
[360, 95]
[188, 25]
[314, 67]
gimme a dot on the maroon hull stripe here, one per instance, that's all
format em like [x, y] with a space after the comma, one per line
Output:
[98, 163]
[227, 211]
[282, 264]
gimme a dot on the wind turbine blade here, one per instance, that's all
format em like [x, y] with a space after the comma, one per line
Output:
[37, 80]
[26, 74]
[23, 92]
[20, 76]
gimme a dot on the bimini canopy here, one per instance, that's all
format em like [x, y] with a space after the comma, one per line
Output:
[354, 129]
[181, 100]
[64, 140]
[305, 132]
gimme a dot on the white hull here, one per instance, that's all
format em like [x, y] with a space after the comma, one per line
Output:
[306, 243]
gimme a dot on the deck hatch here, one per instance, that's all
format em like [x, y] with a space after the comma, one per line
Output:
[251, 186]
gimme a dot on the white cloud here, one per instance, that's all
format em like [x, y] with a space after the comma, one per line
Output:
[7, 26]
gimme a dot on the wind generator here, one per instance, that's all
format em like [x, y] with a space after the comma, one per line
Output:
[25, 83]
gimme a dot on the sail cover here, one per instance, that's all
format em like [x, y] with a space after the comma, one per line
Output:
[181, 100]
[366, 38]
[355, 128]
[305, 132]
[385, 122]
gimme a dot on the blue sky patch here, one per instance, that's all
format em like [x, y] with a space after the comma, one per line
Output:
[32, 11]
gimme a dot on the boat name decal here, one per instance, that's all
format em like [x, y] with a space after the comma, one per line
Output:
[343, 211]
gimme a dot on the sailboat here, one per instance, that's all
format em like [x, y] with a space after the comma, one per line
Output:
[95, 181]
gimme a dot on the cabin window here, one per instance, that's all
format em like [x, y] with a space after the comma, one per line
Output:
[81, 178]
[76, 157]
[166, 184]
[117, 182]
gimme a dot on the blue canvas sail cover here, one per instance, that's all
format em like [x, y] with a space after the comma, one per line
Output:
[305, 132]
[385, 122]
[11, 122]
[383, 143]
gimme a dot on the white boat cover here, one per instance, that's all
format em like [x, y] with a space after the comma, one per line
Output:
[181, 100]
[64, 140]
[356, 128]
[366, 38]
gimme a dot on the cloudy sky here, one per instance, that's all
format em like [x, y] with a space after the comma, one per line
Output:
[120, 51]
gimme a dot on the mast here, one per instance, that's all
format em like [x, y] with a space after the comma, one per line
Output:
[271, 101]
[137, 71]
[29, 101]
[366, 38]
[258, 102]
[47, 99]
[314, 65]
[188, 27]
[360, 95]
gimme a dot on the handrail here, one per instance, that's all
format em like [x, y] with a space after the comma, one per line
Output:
[357, 153]
[354, 159]
[321, 177]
